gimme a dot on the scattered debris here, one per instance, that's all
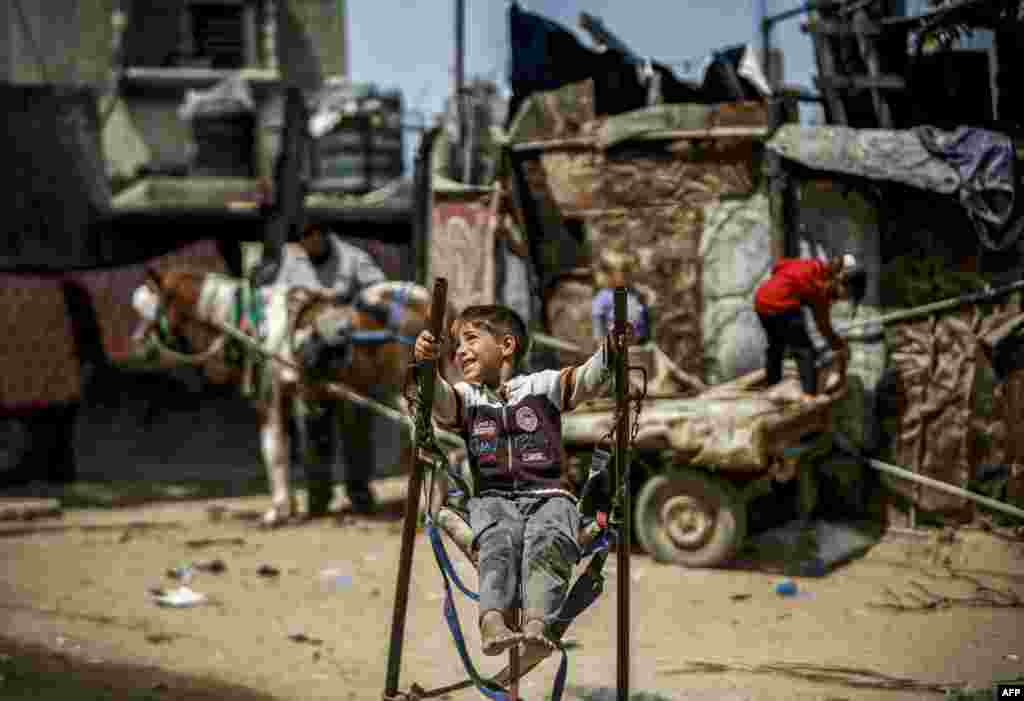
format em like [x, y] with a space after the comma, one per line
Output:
[787, 587]
[335, 579]
[303, 638]
[847, 676]
[375, 592]
[181, 574]
[740, 597]
[182, 597]
[213, 566]
[216, 513]
[1011, 657]
[161, 686]
[927, 600]
[268, 571]
[604, 693]
[207, 542]
[158, 638]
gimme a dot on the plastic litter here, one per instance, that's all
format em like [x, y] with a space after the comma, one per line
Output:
[182, 597]
[787, 587]
[335, 579]
[182, 574]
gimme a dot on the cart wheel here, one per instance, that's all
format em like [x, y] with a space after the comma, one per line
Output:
[691, 518]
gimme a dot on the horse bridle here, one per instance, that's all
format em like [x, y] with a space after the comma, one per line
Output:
[160, 327]
[387, 314]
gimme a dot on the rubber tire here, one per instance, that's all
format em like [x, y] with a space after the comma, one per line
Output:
[730, 521]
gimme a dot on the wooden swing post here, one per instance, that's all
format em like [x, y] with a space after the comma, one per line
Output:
[425, 376]
[622, 481]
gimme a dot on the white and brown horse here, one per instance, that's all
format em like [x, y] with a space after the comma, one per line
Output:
[364, 346]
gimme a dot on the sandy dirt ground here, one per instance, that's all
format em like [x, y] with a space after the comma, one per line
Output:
[78, 585]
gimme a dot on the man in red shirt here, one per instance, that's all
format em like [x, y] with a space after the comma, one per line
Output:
[793, 284]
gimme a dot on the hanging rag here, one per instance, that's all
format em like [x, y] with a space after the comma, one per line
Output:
[984, 161]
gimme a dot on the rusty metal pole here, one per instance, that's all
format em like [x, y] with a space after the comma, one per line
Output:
[622, 478]
[513, 669]
[426, 376]
[460, 78]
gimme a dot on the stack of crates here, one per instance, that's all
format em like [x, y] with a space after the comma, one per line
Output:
[363, 151]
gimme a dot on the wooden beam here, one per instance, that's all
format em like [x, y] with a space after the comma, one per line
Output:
[869, 52]
[855, 83]
[827, 67]
[653, 135]
[421, 206]
[830, 28]
[289, 189]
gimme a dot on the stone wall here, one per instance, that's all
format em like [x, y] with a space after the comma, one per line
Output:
[650, 199]
[951, 415]
[735, 252]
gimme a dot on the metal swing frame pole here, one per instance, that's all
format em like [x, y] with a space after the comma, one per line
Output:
[426, 376]
[625, 543]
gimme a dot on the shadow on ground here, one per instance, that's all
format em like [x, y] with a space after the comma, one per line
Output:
[33, 672]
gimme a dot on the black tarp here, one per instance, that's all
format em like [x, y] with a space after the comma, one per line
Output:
[544, 55]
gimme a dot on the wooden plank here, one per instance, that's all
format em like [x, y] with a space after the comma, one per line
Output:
[654, 135]
[827, 67]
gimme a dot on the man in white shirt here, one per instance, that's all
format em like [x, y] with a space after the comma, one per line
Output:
[322, 261]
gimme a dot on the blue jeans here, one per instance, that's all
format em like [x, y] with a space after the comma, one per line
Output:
[526, 544]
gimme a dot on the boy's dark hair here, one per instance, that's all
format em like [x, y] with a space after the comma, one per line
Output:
[499, 321]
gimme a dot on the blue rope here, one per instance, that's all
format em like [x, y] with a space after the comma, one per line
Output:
[445, 562]
[380, 336]
[452, 616]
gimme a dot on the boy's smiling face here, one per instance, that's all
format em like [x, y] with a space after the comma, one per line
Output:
[480, 353]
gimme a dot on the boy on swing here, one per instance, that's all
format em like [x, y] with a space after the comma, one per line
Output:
[524, 513]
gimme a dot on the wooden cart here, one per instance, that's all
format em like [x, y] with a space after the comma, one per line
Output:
[713, 453]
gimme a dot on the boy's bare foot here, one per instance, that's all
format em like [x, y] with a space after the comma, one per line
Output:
[536, 644]
[497, 637]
